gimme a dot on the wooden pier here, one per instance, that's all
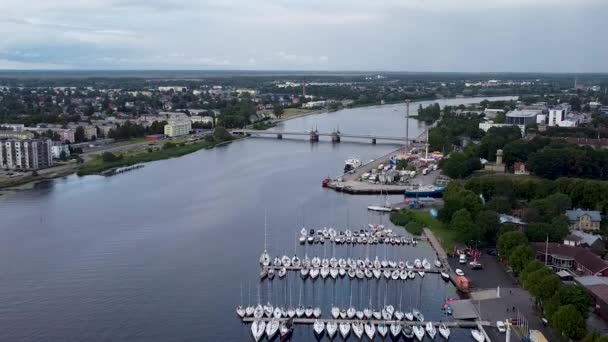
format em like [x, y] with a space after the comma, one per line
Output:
[450, 324]
[433, 270]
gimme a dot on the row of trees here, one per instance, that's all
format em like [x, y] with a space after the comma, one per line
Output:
[565, 306]
[130, 130]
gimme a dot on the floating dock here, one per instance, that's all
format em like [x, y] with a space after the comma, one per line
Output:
[295, 320]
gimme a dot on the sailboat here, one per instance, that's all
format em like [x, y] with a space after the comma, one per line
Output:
[418, 315]
[314, 273]
[370, 330]
[358, 329]
[426, 264]
[319, 328]
[324, 272]
[240, 310]
[272, 327]
[418, 331]
[344, 329]
[399, 313]
[308, 311]
[265, 257]
[257, 329]
[350, 313]
[477, 335]
[335, 312]
[332, 328]
[430, 329]
[395, 330]
[316, 312]
[382, 208]
[407, 331]
[444, 331]
[382, 329]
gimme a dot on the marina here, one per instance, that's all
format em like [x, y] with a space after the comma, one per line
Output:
[451, 324]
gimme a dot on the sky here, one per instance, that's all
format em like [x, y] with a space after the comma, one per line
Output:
[326, 35]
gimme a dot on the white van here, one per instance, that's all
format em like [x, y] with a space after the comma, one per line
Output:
[462, 259]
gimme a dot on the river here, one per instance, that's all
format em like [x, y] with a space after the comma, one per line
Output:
[161, 253]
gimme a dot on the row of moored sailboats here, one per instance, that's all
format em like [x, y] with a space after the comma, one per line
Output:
[373, 236]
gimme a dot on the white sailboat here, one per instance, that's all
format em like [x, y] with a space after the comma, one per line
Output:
[240, 310]
[314, 273]
[272, 327]
[316, 312]
[335, 312]
[382, 329]
[324, 272]
[332, 328]
[344, 329]
[477, 335]
[395, 329]
[382, 208]
[304, 273]
[257, 329]
[308, 311]
[430, 329]
[319, 328]
[418, 331]
[358, 329]
[282, 272]
[418, 315]
[444, 331]
[278, 313]
[407, 331]
[370, 330]
[426, 264]
[438, 264]
[265, 257]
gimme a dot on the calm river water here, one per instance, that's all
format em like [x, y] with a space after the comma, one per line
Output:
[161, 253]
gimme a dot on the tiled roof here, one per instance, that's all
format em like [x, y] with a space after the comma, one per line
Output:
[582, 256]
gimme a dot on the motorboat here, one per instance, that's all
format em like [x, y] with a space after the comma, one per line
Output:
[268, 309]
[332, 328]
[324, 272]
[240, 311]
[258, 312]
[272, 327]
[265, 259]
[430, 329]
[335, 312]
[360, 274]
[352, 273]
[333, 273]
[426, 264]
[344, 329]
[403, 275]
[277, 262]
[395, 275]
[418, 331]
[304, 272]
[319, 328]
[308, 311]
[350, 312]
[407, 332]
[438, 264]
[444, 331]
[314, 273]
[395, 330]
[257, 329]
[382, 329]
[358, 329]
[351, 164]
[302, 239]
[411, 274]
[417, 263]
[277, 312]
[303, 231]
[408, 315]
[300, 311]
[368, 273]
[370, 330]
[477, 335]
[418, 315]
[445, 276]
[310, 239]
[459, 272]
[332, 232]
[282, 272]
[316, 312]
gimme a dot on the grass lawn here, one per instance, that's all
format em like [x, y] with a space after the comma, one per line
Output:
[414, 220]
[289, 112]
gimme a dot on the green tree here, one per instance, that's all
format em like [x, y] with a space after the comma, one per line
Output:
[595, 336]
[63, 156]
[221, 134]
[278, 110]
[487, 221]
[508, 241]
[575, 295]
[109, 157]
[460, 165]
[468, 232]
[534, 278]
[499, 204]
[569, 322]
[532, 266]
[520, 257]
[79, 135]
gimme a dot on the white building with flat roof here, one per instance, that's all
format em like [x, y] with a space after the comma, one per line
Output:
[176, 128]
[29, 154]
[522, 117]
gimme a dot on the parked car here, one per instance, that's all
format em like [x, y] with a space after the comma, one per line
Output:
[500, 325]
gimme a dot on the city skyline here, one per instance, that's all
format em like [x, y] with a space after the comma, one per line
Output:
[432, 36]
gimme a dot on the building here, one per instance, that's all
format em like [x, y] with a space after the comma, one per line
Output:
[584, 219]
[58, 148]
[598, 289]
[556, 116]
[174, 88]
[16, 135]
[13, 127]
[520, 169]
[314, 104]
[498, 166]
[201, 119]
[492, 113]
[581, 239]
[576, 260]
[29, 154]
[485, 126]
[522, 117]
[176, 128]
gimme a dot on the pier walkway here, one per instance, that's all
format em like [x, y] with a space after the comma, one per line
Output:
[450, 324]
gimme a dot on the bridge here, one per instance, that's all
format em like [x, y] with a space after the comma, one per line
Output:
[336, 136]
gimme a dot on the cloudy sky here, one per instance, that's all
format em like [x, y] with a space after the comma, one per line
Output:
[397, 35]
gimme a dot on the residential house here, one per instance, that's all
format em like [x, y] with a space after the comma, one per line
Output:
[589, 220]
[581, 239]
[577, 260]
[598, 289]
[520, 169]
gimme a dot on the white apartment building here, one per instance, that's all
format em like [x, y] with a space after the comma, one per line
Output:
[56, 150]
[556, 116]
[30, 154]
[176, 128]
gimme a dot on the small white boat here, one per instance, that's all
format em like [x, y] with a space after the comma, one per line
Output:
[249, 311]
[418, 331]
[344, 329]
[300, 311]
[304, 272]
[359, 314]
[335, 312]
[430, 329]
[403, 275]
[395, 330]
[265, 259]
[258, 312]
[257, 329]
[368, 273]
[395, 275]
[302, 239]
[459, 272]
[445, 276]
[295, 261]
[324, 272]
[370, 330]
[387, 274]
[477, 335]
[418, 315]
[318, 327]
[382, 329]
[286, 261]
[390, 309]
[291, 313]
[380, 208]
[358, 329]
[444, 331]
[351, 312]
[438, 264]
[314, 273]
[342, 313]
[398, 315]
[359, 273]
[377, 273]
[282, 272]
[367, 313]
[408, 315]
[240, 311]
[417, 263]
[316, 312]
[377, 314]
[277, 313]
[409, 265]
[308, 311]
[421, 273]
[272, 328]
[332, 328]
[411, 274]
[426, 264]
[352, 273]
[342, 272]
[268, 309]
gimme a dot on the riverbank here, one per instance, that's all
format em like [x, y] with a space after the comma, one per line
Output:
[414, 221]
